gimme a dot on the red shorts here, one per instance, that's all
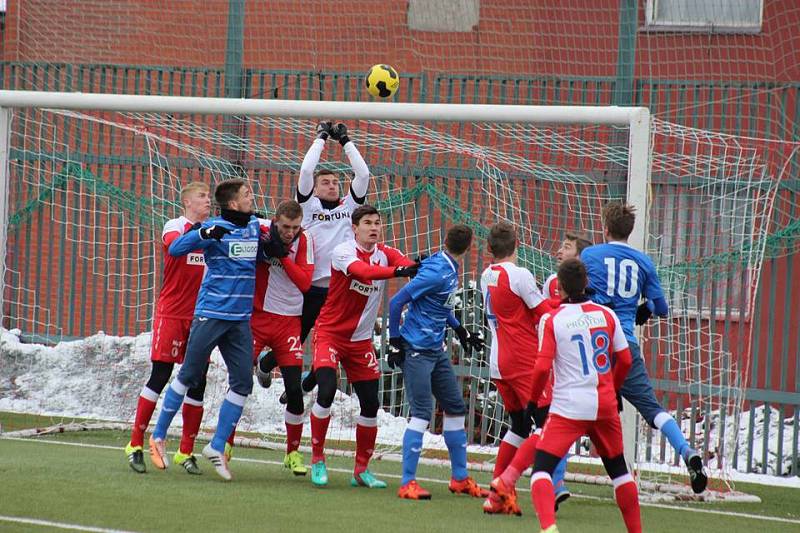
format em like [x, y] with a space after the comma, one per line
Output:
[559, 435]
[279, 333]
[357, 358]
[515, 392]
[547, 393]
[169, 339]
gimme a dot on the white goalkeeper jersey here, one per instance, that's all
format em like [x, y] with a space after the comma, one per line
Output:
[328, 228]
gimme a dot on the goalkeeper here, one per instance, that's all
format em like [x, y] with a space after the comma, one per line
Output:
[417, 348]
[327, 219]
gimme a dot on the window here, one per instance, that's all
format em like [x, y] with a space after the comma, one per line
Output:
[711, 16]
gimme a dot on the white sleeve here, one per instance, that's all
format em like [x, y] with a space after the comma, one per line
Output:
[619, 342]
[360, 182]
[305, 183]
[524, 286]
[342, 257]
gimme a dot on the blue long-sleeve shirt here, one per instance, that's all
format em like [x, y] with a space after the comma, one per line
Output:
[227, 289]
[430, 297]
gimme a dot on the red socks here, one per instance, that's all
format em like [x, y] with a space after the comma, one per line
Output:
[366, 433]
[144, 412]
[522, 460]
[294, 430]
[628, 502]
[192, 417]
[320, 418]
[544, 498]
[508, 448]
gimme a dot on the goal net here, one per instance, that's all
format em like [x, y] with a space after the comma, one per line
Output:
[89, 191]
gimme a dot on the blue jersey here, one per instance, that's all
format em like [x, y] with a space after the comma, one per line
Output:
[432, 293]
[226, 292]
[621, 276]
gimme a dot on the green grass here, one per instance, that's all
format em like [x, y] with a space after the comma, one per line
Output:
[44, 478]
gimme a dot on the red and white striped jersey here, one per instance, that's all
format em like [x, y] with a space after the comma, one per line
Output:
[182, 275]
[550, 288]
[510, 296]
[328, 228]
[352, 305]
[275, 291]
[582, 337]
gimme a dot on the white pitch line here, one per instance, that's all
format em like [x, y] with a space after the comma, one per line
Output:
[60, 525]
[432, 480]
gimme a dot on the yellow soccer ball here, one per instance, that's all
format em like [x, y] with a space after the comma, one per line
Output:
[382, 81]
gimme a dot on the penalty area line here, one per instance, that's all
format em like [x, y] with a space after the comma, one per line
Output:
[440, 481]
[59, 525]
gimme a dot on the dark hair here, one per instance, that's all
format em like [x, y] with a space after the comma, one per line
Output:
[618, 219]
[362, 211]
[458, 239]
[502, 240]
[289, 209]
[572, 278]
[581, 241]
[227, 190]
[323, 172]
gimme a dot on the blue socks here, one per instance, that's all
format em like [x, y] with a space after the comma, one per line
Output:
[229, 414]
[667, 425]
[456, 439]
[412, 449]
[560, 471]
[172, 402]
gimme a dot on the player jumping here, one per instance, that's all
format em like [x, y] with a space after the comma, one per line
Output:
[620, 277]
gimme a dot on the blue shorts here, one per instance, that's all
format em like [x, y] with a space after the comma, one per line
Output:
[428, 374]
[235, 341]
[638, 389]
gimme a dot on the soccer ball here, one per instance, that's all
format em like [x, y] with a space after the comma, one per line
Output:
[382, 81]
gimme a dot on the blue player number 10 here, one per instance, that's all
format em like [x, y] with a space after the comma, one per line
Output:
[600, 359]
[622, 281]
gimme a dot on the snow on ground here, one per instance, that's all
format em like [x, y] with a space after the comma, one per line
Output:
[100, 377]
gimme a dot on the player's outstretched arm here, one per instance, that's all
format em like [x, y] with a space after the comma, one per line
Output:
[192, 240]
[360, 183]
[305, 182]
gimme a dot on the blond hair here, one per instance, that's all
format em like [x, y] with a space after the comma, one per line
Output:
[194, 186]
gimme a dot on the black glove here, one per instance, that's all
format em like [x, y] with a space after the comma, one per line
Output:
[214, 232]
[272, 246]
[468, 340]
[196, 226]
[643, 314]
[324, 130]
[406, 271]
[396, 354]
[619, 402]
[339, 133]
[421, 257]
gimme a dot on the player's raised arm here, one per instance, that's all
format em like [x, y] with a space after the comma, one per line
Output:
[305, 182]
[544, 361]
[360, 183]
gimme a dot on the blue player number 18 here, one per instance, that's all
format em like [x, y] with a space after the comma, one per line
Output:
[600, 358]
[622, 281]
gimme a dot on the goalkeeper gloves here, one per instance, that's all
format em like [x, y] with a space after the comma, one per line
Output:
[406, 271]
[619, 402]
[339, 133]
[468, 340]
[396, 353]
[272, 246]
[324, 130]
[214, 232]
[643, 314]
